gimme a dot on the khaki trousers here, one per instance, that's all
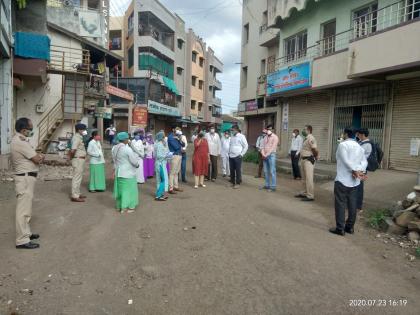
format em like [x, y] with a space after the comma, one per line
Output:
[175, 169]
[78, 168]
[308, 179]
[24, 186]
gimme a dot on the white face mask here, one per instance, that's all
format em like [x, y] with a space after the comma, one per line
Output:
[84, 133]
[269, 132]
[212, 131]
[293, 135]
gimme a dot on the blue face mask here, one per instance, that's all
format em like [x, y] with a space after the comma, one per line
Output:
[137, 137]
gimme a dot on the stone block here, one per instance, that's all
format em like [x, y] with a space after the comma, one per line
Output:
[414, 226]
[404, 218]
[407, 203]
[413, 236]
[390, 227]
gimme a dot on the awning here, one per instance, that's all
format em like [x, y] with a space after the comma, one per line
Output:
[30, 67]
[170, 84]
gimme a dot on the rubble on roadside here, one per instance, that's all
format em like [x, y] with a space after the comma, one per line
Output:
[403, 228]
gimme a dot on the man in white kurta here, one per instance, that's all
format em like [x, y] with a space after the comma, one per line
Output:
[225, 153]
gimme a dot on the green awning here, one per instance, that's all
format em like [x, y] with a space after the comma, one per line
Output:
[170, 84]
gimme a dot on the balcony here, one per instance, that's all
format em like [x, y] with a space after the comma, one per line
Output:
[386, 41]
[95, 87]
[150, 41]
[217, 84]
[69, 60]
[87, 23]
[217, 101]
[261, 85]
[269, 37]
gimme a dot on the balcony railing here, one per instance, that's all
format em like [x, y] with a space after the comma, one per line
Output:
[95, 86]
[69, 60]
[332, 44]
[373, 22]
[389, 16]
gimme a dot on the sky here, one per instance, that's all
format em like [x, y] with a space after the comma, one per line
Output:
[218, 22]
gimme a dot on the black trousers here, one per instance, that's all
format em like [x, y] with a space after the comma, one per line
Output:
[212, 167]
[260, 164]
[360, 195]
[345, 198]
[295, 165]
[235, 170]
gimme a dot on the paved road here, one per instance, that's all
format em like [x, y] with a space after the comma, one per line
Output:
[245, 252]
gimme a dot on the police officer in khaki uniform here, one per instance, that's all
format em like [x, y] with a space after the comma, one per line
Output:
[309, 155]
[25, 163]
[78, 158]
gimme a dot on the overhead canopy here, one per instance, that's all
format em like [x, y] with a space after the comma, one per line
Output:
[170, 84]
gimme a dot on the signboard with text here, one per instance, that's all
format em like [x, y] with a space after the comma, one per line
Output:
[140, 116]
[251, 105]
[161, 109]
[120, 93]
[290, 78]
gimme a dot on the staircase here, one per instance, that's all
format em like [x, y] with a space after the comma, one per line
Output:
[48, 125]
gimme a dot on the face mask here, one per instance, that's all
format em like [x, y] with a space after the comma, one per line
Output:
[293, 135]
[29, 133]
[212, 131]
[84, 133]
[97, 138]
[304, 133]
[269, 132]
[226, 135]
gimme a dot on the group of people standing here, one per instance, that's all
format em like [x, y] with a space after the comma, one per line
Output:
[138, 158]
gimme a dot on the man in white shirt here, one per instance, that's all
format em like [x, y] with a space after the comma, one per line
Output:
[184, 159]
[225, 153]
[351, 167]
[215, 147]
[366, 144]
[111, 131]
[294, 152]
[237, 149]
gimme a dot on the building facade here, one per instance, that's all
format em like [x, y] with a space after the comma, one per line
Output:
[166, 68]
[338, 64]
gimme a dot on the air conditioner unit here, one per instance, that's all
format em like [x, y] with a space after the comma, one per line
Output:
[39, 108]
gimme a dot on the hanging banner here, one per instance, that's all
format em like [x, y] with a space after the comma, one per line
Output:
[140, 116]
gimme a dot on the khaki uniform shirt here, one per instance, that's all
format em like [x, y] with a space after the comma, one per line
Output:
[78, 145]
[21, 153]
[308, 145]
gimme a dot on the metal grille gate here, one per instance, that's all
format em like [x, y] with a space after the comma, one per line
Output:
[361, 107]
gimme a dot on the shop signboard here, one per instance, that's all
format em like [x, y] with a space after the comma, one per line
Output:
[251, 105]
[103, 112]
[161, 109]
[290, 78]
[140, 115]
[119, 93]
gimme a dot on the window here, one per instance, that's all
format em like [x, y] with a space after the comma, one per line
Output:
[200, 84]
[179, 70]
[413, 9]
[193, 80]
[115, 40]
[193, 104]
[211, 68]
[201, 62]
[180, 43]
[262, 71]
[130, 24]
[131, 57]
[200, 106]
[210, 109]
[246, 34]
[210, 88]
[328, 37]
[365, 20]
[179, 98]
[244, 77]
[271, 64]
[295, 46]
[194, 57]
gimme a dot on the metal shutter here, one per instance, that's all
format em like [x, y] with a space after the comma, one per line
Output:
[255, 127]
[405, 125]
[314, 110]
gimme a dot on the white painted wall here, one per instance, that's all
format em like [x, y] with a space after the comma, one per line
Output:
[6, 101]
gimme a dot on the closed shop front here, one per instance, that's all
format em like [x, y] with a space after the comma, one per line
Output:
[405, 125]
[256, 125]
[361, 107]
[314, 110]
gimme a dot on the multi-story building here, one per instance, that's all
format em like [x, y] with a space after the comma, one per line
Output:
[117, 42]
[166, 68]
[339, 63]
[64, 79]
